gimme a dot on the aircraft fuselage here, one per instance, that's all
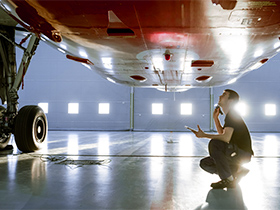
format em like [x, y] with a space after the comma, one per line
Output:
[168, 45]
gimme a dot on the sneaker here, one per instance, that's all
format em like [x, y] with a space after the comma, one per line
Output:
[223, 184]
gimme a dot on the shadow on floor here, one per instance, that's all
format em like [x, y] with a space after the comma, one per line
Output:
[224, 199]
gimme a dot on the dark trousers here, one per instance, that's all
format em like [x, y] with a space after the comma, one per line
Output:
[224, 159]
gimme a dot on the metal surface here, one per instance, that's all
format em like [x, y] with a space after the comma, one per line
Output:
[26, 58]
[159, 41]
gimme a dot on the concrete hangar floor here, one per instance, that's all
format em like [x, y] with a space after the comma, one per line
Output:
[133, 170]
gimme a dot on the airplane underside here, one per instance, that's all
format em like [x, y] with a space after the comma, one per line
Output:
[167, 45]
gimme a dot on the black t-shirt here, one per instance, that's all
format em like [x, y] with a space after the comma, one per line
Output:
[241, 136]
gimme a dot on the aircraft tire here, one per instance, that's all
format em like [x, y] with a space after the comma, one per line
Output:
[4, 137]
[31, 128]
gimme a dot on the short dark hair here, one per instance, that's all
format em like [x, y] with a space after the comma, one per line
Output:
[233, 95]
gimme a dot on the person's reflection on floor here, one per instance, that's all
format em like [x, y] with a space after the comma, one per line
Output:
[224, 199]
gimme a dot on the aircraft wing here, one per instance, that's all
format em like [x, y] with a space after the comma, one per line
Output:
[168, 45]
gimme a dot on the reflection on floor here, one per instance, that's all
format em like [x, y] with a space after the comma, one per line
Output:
[133, 170]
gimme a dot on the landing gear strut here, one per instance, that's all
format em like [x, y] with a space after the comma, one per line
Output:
[29, 124]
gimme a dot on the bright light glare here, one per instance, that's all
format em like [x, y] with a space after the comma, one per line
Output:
[86, 65]
[158, 63]
[63, 46]
[186, 64]
[157, 108]
[104, 108]
[234, 47]
[83, 54]
[61, 50]
[103, 144]
[157, 146]
[156, 166]
[186, 109]
[5, 6]
[43, 38]
[232, 81]
[186, 145]
[73, 108]
[270, 148]
[241, 108]
[258, 53]
[111, 80]
[73, 144]
[256, 66]
[107, 62]
[44, 106]
[270, 109]
[276, 45]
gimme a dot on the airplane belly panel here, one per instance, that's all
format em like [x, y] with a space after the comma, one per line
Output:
[159, 44]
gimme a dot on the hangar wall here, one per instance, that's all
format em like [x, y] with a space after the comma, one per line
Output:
[53, 79]
[171, 119]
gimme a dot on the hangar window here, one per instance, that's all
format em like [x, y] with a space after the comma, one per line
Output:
[45, 107]
[157, 108]
[270, 109]
[104, 108]
[73, 108]
[186, 109]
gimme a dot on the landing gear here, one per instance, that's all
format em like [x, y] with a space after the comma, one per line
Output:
[30, 128]
[4, 136]
[4, 140]
[29, 125]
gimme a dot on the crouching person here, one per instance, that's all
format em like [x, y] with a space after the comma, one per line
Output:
[231, 147]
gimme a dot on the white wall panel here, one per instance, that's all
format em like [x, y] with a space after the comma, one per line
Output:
[171, 119]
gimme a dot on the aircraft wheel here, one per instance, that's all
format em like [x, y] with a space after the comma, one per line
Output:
[31, 128]
[4, 137]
